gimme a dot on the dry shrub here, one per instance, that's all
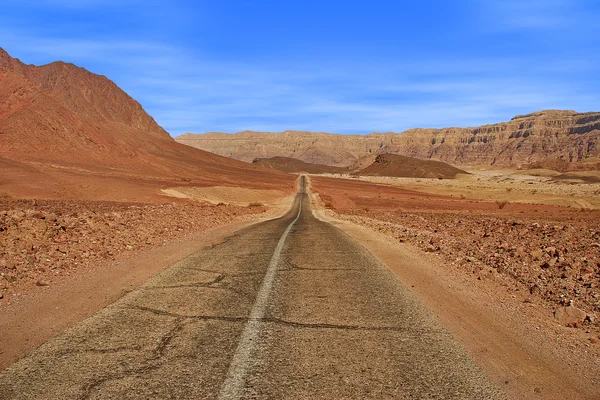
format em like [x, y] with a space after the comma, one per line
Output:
[329, 205]
[501, 203]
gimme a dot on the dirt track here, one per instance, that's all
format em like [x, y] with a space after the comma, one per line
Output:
[336, 324]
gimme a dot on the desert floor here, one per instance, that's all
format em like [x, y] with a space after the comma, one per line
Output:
[500, 256]
[494, 254]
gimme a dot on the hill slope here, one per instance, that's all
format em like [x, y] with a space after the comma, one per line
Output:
[292, 165]
[524, 139]
[66, 132]
[409, 167]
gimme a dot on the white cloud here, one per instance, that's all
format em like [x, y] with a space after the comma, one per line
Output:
[186, 91]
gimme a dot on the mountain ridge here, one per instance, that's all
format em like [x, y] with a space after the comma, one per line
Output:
[527, 138]
[67, 132]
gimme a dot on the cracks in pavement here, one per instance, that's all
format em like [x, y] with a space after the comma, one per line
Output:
[149, 364]
[209, 285]
[280, 321]
[190, 317]
[190, 285]
[229, 274]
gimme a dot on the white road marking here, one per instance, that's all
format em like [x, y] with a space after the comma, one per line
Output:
[233, 386]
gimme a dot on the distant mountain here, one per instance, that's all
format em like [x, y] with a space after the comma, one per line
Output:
[409, 167]
[550, 134]
[66, 132]
[292, 165]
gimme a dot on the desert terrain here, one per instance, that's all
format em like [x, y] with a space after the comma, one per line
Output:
[502, 249]
[88, 184]
[549, 137]
[474, 250]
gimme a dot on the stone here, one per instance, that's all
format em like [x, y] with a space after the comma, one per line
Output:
[42, 283]
[570, 316]
[550, 263]
[536, 254]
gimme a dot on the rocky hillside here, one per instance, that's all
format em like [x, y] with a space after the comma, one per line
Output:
[292, 165]
[525, 139]
[66, 132]
[410, 167]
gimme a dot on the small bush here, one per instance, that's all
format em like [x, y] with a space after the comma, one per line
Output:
[501, 203]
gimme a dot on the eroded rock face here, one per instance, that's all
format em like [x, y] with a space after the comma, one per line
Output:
[551, 134]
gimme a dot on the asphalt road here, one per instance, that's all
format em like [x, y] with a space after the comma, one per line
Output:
[290, 308]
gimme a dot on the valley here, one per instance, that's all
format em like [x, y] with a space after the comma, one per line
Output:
[479, 247]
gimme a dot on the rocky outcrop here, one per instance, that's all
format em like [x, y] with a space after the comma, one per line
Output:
[525, 139]
[410, 167]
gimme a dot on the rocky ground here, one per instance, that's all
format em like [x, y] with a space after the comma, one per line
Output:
[553, 261]
[41, 241]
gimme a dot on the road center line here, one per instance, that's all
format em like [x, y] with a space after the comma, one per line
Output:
[233, 386]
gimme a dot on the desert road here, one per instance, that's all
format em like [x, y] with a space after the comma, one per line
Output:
[290, 308]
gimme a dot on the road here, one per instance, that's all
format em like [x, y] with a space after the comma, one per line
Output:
[290, 308]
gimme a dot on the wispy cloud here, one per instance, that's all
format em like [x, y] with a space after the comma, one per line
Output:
[537, 15]
[189, 90]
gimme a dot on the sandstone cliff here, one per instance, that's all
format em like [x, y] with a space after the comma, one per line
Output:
[555, 134]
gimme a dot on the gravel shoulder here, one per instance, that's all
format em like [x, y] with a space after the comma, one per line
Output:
[517, 341]
[43, 299]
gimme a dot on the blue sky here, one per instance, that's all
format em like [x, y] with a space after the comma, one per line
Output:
[334, 66]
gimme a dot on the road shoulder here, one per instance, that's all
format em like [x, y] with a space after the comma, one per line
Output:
[40, 316]
[510, 341]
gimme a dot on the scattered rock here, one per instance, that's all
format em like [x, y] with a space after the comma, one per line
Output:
[536, 254]
[432, 248]
[57, 238]
[570, 316]
[549, 264]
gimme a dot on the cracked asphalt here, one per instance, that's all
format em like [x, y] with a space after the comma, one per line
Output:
[336, 324]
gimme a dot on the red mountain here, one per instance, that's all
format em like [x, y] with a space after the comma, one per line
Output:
[66, 132]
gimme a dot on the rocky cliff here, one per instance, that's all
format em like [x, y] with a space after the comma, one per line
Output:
[550, 134]
[292, 165]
